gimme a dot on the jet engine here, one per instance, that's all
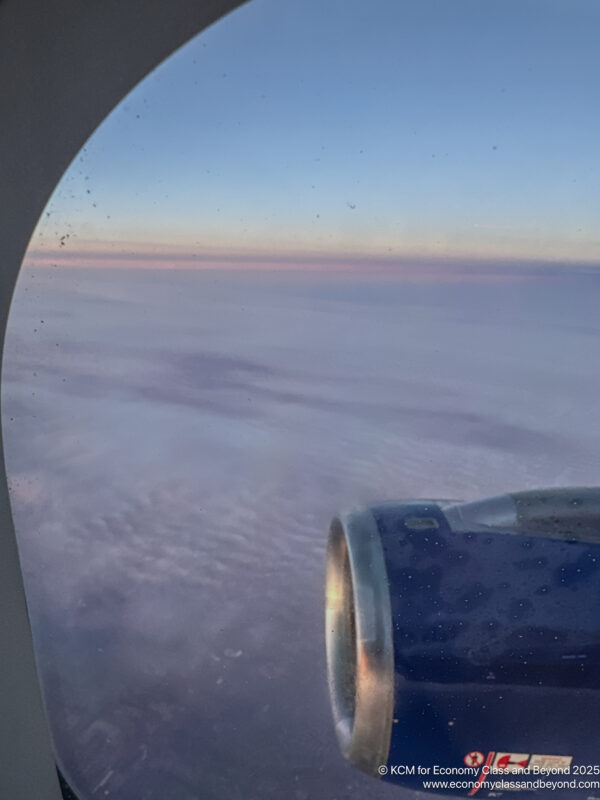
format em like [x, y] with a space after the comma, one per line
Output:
[463, 642]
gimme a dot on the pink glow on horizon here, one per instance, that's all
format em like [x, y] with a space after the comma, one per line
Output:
[362, 266]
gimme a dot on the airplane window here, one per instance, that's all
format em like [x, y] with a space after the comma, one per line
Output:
[326, 255]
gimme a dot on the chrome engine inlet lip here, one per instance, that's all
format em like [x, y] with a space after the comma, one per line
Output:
[359, 641]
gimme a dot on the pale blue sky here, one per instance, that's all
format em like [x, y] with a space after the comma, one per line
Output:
[393, 129]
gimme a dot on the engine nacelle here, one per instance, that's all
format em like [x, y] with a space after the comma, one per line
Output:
[463, 641]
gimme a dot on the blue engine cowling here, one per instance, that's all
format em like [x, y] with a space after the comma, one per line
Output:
[463, 642]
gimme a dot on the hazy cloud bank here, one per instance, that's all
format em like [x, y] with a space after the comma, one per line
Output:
[176, 445]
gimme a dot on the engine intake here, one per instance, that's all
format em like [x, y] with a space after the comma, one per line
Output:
[459, 631]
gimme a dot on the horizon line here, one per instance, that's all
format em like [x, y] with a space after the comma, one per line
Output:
[155, 257]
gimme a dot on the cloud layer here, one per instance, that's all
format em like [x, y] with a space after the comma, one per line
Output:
[176, 446]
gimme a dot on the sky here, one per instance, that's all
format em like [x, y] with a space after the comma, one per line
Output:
[339, 134]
